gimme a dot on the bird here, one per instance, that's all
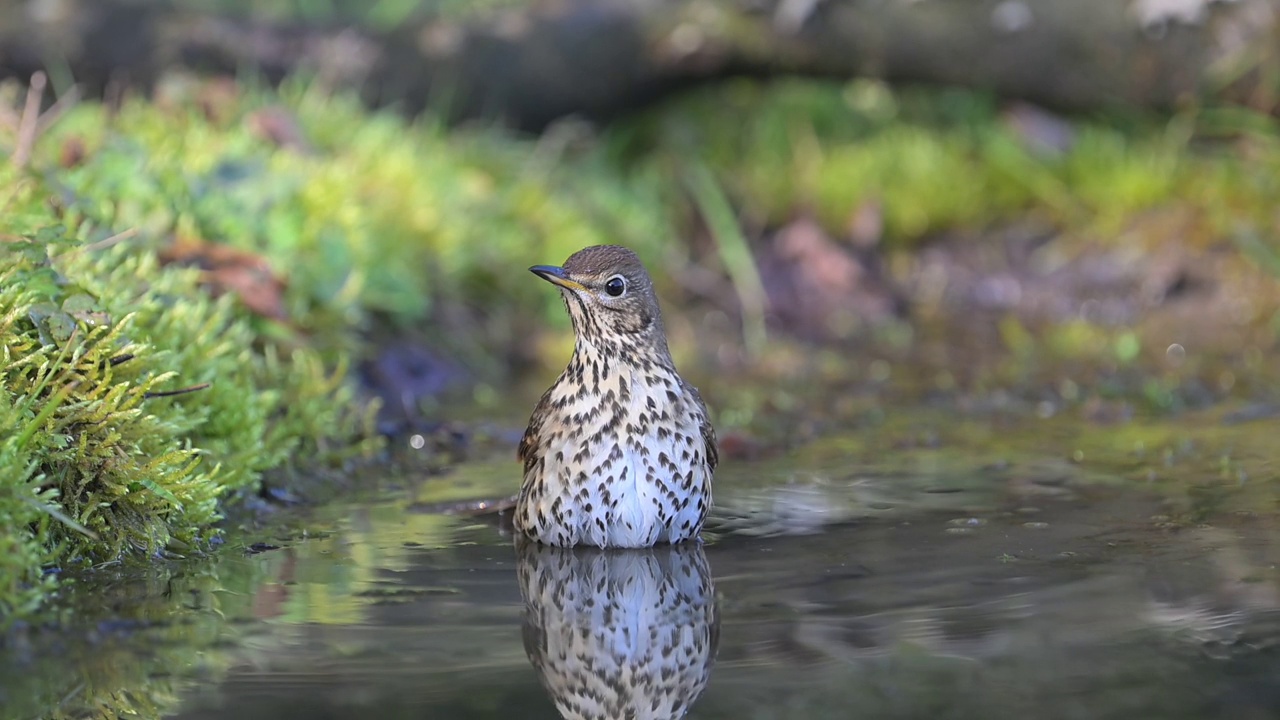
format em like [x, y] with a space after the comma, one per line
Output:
[620, 451]
[619, 633]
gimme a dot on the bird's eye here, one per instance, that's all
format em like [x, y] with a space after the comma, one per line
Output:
[615, 286]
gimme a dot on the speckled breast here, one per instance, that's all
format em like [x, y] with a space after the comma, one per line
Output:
[622, 464]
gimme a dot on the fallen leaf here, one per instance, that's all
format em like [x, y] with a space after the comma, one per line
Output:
[228, 269]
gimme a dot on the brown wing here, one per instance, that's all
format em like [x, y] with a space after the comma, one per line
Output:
[529, 441]
[708, 432]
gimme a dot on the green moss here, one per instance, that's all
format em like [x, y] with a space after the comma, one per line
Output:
[99, 463]
[22, 554]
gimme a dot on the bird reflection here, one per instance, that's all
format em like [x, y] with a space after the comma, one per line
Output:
[619, 633]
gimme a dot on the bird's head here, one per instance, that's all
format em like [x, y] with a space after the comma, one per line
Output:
[610, 298]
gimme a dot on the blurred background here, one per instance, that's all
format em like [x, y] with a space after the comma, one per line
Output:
[992, 190]
[972, 270]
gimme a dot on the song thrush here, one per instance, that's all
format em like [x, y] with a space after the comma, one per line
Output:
[619, 452]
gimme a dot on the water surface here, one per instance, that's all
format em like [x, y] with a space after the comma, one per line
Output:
[940, 581]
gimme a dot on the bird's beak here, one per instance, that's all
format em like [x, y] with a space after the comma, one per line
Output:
[556, 276]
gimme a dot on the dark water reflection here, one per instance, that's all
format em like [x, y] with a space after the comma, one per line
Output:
[1087, 613]
[622, 633]
[1091, 605]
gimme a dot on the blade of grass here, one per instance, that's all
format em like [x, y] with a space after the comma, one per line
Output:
[58, 515]
[50, 407]
[734, 253]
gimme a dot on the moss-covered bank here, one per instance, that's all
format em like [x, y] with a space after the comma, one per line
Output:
[184, 284]
[134, 404]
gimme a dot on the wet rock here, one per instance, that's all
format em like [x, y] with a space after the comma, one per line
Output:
[404, 374]
[278, 495]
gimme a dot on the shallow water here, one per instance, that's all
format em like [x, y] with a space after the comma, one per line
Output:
[944, 579]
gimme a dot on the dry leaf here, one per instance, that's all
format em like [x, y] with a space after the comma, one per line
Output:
[227, 269]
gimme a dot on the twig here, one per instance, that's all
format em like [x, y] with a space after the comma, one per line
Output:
[30, 120]
[60, 107]
[179, 391]
[105, 243]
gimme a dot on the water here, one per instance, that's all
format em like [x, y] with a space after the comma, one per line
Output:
[937, 581]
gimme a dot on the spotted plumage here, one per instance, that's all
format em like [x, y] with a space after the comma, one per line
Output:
[619, 452]
[619, 633]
